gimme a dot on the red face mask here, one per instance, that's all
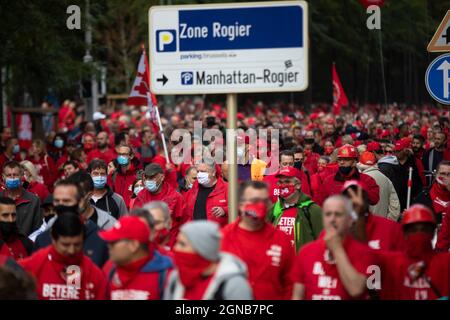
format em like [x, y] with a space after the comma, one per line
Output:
[190, 267]
[418, 245]
[285, 190]
[320, 168]
[161, 236]
[256, 210]
[74, 259]
[307, 152]
[328, 150]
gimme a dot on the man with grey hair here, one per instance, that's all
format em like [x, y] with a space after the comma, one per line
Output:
[335, 266]
[208, 197]
[162, 224]
[158, 189]
[202, 271]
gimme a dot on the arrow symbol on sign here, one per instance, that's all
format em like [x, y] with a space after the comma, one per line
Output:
[163, 79]
[445, 66]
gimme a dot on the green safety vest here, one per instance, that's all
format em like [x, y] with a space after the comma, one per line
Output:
[277, 213]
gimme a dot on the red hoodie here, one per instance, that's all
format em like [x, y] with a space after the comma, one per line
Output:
[217, 198]
[174, 201]
[318, 178]
[269, 257]
[48, 268]
[122, 182]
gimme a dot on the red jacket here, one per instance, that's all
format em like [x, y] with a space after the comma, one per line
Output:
[174, 201]
[310, 162]
[16, 247]
[39, 189]
[334, 183]
[443, 239]
[122, 182]
[269, 256]
[46, 168]
[271, 181]
[317, 180]
[217, 198]
[48, 269]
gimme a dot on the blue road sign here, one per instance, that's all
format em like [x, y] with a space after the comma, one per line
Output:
[437, 79]
[229, 48]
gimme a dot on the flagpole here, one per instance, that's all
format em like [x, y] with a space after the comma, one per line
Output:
[161, 131]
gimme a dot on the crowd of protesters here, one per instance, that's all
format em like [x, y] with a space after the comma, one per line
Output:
[356, 206]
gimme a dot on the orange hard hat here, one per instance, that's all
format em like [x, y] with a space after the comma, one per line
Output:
[347, 151]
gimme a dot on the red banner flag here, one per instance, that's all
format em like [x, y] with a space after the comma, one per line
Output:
[140, 94]
[339, 97]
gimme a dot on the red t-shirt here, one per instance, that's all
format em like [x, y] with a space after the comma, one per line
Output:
[320, 277]
[398, 283]
[51, 283]
[287, 223]
[384, 234]
[269, 256]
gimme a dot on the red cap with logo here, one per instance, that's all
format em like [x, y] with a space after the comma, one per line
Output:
[128, 227]
[289, 172]
[347, 151]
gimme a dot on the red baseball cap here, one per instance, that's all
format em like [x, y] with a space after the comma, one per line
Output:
[289, 172]
[351, 183]
[402, 144]
[347, 151]
[367, 158]
[128, 227]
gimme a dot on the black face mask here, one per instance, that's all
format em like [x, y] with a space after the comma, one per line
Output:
[345, 170]
[298, 165]
[7, 229]
[309, 141]
[61, 209]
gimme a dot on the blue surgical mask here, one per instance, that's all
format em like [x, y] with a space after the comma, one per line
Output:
[99, 182]
[122, 160]
[137, 190]
[12, 183]
[151, 185]
[59, 143]
[16, 149]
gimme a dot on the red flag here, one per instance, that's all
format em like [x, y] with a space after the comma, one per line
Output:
[339, 97]
[140, 94]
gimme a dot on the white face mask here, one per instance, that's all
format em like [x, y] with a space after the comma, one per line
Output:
[203, 178]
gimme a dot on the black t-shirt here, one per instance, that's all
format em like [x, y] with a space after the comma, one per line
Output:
[94, 217]
[200, 203]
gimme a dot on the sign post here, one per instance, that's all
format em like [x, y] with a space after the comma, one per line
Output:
[229, 48]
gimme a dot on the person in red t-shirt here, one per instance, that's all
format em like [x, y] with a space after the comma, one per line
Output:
[137, 271]
[61, 270]
[378, 232]
[266, 250]
[202, 272]
[334, 267]
[417, 273]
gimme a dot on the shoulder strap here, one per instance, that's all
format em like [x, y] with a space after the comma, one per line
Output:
[309, 181]
[113, 178]
[218, 295]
